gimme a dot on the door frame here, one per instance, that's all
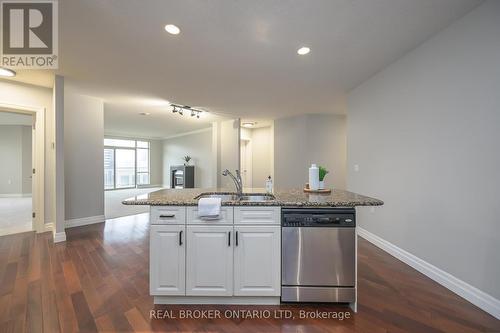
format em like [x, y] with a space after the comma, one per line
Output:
[247, 157]
[38, 182]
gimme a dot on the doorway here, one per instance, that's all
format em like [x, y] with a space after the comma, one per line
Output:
[22, 155]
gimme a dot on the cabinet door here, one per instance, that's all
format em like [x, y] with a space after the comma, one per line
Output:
[167, 260]
[257, 261]
[209, 261]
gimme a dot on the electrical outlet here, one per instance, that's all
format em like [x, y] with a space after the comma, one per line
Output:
[372, 209]
[9, 181]
[356, 167]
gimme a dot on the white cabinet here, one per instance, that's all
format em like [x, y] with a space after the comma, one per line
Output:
[257, 261]
[167, 260]
[236, 255]
[209, 259]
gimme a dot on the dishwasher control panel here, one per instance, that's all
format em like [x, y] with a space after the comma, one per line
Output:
[311, 217]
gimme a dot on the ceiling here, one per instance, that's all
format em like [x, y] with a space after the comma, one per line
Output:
[125, 120]
[237, 57]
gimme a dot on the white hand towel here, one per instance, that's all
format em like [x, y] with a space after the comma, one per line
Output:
[209, 207]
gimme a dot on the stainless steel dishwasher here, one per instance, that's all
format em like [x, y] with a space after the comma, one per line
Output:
[318, 252]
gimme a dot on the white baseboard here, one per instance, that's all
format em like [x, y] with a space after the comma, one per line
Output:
[84, 221]
[11, 195]
[149, 186]
[59, 237]
[477, 297]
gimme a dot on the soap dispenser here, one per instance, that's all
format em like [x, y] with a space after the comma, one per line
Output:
[314, 177]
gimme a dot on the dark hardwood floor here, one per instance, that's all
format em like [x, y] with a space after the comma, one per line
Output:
[98, 281]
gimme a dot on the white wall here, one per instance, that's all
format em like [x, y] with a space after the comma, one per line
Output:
[27, 159]
[425, 133]
[199, 147]
[39, 97]
[83, 155]
[15, 154]
[302, 140]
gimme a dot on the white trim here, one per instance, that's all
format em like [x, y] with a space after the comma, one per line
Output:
[38, 183]
[187, 133]
[84, 221]
[11, 195]
[59, 237]
[472, 294]
[48, 226]
[241, 300]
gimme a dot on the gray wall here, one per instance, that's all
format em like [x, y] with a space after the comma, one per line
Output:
[83, 155]
[27, 165]
[425, 133]
[156, 162]
[199, 147]
[15, 154]
[313, 138]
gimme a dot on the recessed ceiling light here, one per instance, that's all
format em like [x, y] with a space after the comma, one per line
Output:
[248, 124]
[303, 50]
[7, 72]
[172, 29]
[145, 114]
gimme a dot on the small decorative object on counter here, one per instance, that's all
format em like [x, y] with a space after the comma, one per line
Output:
[314, 177]
[322, 174]
[307, 189]
[186, 159]
[269, 185]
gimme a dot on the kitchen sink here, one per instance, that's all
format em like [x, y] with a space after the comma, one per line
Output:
[235, 197]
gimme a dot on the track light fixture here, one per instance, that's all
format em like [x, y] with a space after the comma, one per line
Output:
[177, 108]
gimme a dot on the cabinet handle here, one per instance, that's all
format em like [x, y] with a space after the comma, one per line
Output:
[236, 241]
[229, 238]
[167, 216]
[180, 238]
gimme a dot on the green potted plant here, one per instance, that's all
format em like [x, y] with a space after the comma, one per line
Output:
[322, 174]
[186, 159]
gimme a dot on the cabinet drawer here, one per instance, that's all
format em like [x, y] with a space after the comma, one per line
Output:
[257, 215]
[168, 215]
[225, 217]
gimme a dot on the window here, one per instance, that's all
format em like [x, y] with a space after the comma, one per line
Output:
[126, 163]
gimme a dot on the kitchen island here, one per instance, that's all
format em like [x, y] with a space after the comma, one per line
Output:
[240, 256]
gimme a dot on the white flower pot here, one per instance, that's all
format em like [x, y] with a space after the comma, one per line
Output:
[321, 184]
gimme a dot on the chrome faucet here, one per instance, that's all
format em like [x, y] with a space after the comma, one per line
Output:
[237, 181]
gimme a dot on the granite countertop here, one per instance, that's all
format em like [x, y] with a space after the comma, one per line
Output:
[288, 198]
